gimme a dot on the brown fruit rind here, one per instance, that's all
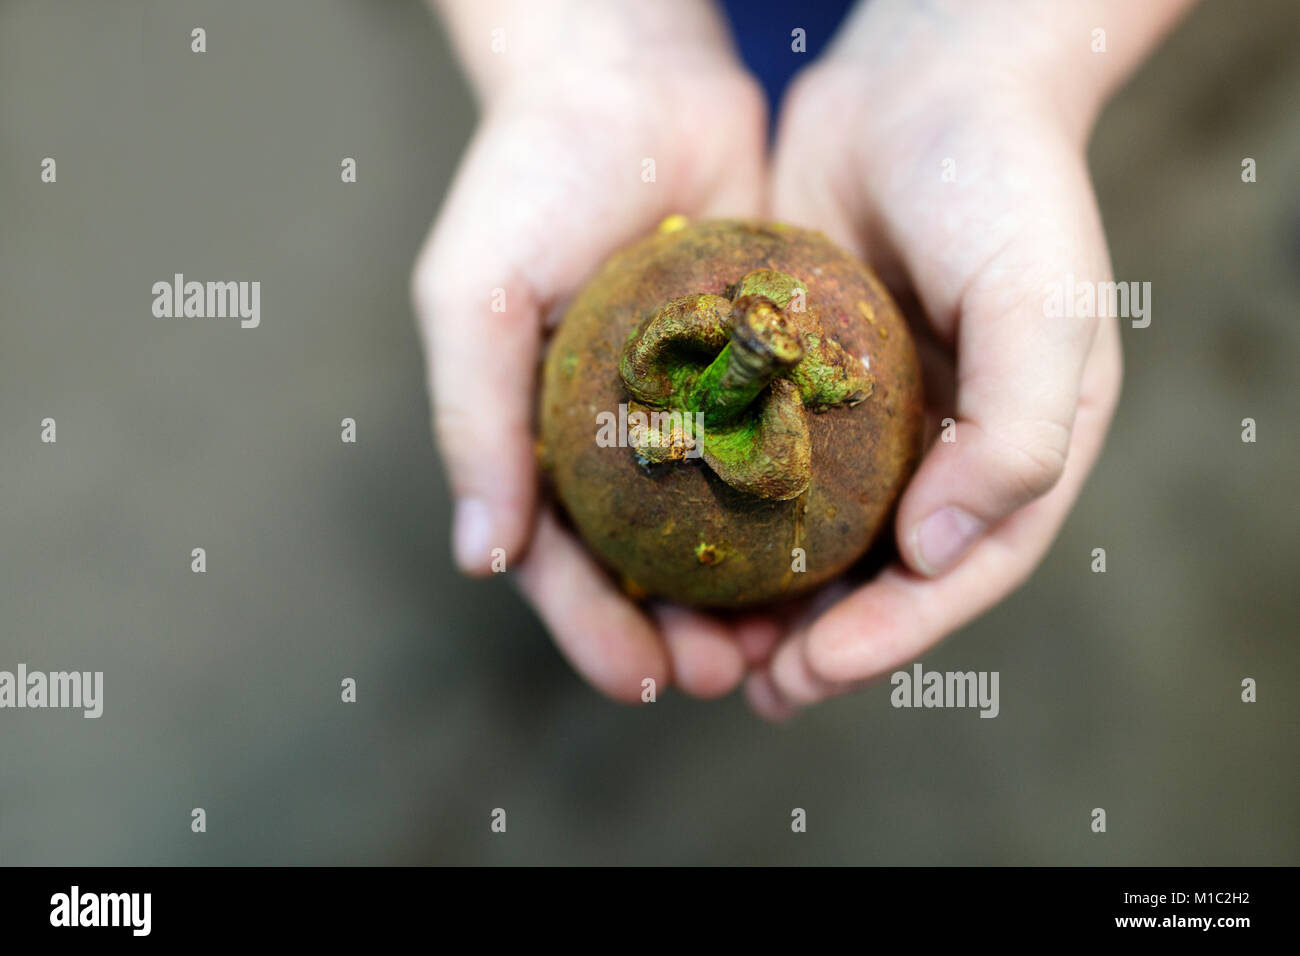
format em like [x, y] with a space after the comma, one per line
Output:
[716, 531]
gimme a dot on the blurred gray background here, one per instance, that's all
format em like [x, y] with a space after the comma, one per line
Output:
[328, 560]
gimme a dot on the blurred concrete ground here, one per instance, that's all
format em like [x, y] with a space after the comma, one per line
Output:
[327, 560]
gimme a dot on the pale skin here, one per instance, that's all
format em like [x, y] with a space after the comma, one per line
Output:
[942, 143]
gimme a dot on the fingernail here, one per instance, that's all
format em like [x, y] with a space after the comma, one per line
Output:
[472, 533]
[944, 537]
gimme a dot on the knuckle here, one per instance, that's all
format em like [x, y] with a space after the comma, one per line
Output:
[490, 306]
[824, 667]
[455, 428]
[464, 428]
[1035, 454]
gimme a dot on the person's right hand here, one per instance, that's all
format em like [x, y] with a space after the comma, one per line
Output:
[553, 182]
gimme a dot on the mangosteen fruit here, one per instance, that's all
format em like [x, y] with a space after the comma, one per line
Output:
[729, 412]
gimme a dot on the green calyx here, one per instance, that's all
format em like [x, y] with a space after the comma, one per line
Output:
[744, 372]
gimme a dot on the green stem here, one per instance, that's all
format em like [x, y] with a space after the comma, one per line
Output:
[763, 344]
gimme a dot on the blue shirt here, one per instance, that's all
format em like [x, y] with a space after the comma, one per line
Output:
[764, 32]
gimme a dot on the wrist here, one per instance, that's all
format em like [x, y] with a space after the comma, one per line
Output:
[507, 46]
[1068, 57]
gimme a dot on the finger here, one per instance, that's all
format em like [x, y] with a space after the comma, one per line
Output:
[794, 679]
[982, 267]
[788, 668]
[530, 213]
[764, 699]
[983, 254]
[603, 635]
[1018, 386]
[898, 616]
[478, 303]
[706, 660]
[756, 636]
[758, 633]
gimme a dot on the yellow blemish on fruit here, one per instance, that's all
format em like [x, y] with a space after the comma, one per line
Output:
[673, 223]
[867, 311]
[708, 553]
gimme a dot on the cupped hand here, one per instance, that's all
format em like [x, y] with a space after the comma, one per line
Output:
[566, 166]
[962, 179]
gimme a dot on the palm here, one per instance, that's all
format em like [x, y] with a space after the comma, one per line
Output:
[589, 167]
[968, 207]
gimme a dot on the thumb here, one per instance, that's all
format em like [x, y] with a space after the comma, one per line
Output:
[478, 288]
[1019, 366]
[532, 209]
[481, 335]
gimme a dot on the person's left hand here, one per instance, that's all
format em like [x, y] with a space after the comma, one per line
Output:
[861, 154]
